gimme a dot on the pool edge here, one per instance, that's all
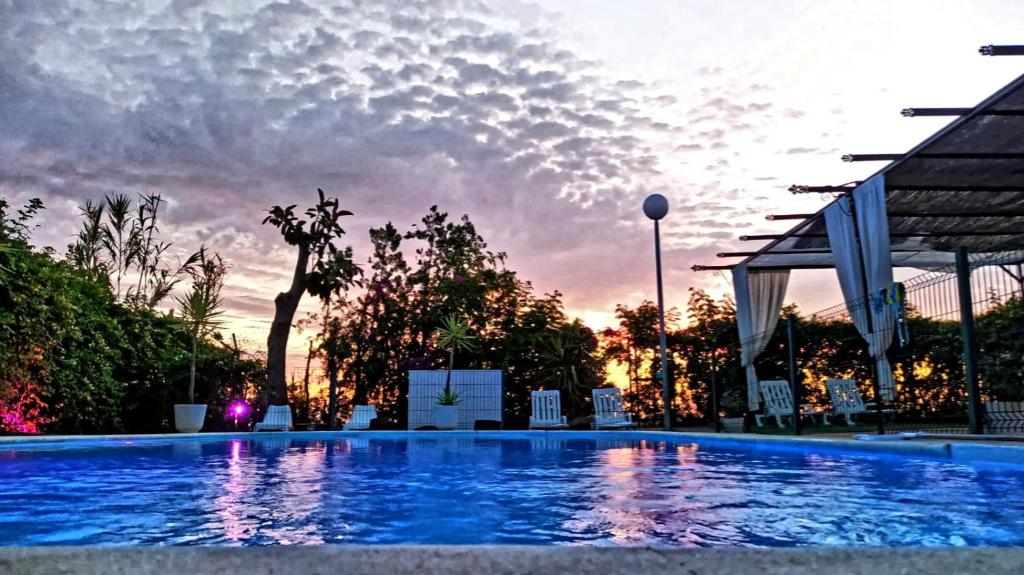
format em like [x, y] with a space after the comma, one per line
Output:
[966, 451]
[449, 560]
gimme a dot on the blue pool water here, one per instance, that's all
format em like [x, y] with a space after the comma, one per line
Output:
[547, 491]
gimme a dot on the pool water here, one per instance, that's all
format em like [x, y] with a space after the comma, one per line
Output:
[465, 490]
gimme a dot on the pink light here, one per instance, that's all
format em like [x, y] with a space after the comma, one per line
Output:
[238, 409]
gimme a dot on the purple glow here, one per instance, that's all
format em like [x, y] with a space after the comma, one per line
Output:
[238, 409]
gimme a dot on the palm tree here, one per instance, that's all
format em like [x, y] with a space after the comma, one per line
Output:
[201, 305]
[453, 334]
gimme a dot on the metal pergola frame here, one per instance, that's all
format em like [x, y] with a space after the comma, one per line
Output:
[929, 227]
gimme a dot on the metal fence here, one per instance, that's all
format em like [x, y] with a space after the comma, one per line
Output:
[934, 371]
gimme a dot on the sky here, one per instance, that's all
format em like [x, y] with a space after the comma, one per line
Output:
[548, 123]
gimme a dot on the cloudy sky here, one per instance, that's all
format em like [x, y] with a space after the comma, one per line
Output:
[546, 122]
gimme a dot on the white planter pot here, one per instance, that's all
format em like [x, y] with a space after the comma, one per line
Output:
[189, 417]
[446, 416]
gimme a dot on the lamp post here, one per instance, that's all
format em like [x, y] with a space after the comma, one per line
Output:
[655, 208]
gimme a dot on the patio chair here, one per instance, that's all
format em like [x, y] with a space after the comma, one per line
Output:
[277, 418]
[547, 410]
[362, 415]
[778, 403]
[847, 401]
[608, 410]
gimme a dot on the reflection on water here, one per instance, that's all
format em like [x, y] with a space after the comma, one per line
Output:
[543, 490]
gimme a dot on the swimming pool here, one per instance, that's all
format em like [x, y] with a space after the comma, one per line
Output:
[544, 489]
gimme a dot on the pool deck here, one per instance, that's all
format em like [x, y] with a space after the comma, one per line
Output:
[358, 560]
[966, 450]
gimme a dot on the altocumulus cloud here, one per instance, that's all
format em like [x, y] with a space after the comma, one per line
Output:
[391, 105]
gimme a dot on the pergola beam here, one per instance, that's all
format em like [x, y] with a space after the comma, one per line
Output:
[701, 268]
[923, 112]
[950, 234]
[809, 251]
[1005, 50]
[900, 214]
[934, 156]
[801, 189]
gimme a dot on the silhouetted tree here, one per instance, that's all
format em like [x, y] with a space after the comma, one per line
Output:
[330, 272]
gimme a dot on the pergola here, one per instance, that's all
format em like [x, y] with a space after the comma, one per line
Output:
[957, 196]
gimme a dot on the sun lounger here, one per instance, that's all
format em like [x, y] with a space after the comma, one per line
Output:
[362, 415]
[608, 410]
[547, 410]
[277, 418]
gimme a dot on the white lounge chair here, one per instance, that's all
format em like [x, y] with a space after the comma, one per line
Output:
[846, 401]
[362, 415]
[277, 418]
[547, 410]
[608, 410]
[778, 403]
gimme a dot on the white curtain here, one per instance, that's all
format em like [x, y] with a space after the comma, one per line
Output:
[873, 228]
[873, 224]
[759, 296]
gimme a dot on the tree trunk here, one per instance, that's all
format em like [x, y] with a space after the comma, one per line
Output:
[305, 381]
[359, 393]
[285, 305]
[451, 366]
[332, 393]
[192, 374]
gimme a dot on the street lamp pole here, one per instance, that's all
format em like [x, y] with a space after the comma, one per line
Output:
[655, 208]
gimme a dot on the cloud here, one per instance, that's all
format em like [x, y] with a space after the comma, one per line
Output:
[391, 105]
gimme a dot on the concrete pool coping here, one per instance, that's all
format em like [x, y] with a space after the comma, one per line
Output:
[950, 449]
[451, 560]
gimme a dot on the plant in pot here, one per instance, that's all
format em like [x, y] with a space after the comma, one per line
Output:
[200, 317]
[452, 335]
[732, 407]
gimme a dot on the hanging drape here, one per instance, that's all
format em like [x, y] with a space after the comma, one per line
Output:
[759, 296]
[873, 224]
[873, 229]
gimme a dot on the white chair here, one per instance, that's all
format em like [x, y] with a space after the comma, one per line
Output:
[778, 403]
[608, 410]
[547, 410]
[846, 401]
[362, 415]
[277, 418]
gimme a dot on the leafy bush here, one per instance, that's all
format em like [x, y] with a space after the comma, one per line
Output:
[75, 359]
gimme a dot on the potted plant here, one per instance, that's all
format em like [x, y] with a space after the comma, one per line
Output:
[453, 335]
[200, 316]
[446, 412]
[731, 411]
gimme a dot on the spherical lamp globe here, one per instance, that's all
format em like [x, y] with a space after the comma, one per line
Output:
[655, 206]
